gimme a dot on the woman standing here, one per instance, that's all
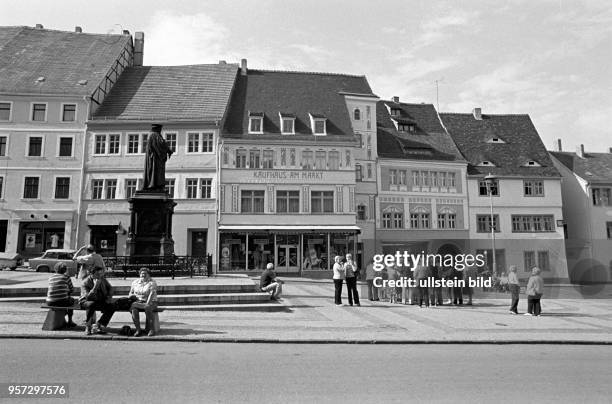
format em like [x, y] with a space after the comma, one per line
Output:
[351, 272]
[370, 275]
[535, 289]
[515, 287]
[339, 277]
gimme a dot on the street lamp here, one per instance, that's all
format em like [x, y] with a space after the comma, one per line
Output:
[490, 181]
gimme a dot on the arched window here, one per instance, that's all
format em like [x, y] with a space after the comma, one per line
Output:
[357, 114]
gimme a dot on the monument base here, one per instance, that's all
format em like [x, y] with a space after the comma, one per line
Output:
[150, 232]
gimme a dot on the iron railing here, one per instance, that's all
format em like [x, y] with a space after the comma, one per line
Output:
[160, 265]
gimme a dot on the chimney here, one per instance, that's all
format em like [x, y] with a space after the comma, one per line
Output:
[222, 62]
[559, 146]
[78, 29]
[243, 67]
[126, 32]
[396, 99]
[580, 151]
[39, 26]
[138, 48]
[477, 112]
[610, 150]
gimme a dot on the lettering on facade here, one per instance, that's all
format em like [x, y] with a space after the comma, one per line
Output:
[288, 175]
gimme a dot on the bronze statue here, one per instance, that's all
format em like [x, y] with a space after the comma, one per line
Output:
[157, 152]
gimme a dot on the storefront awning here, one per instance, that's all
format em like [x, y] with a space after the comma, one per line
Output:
[272, 228]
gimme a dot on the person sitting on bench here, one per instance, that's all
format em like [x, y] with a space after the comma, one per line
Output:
[144, 294]
[269, 283]
[97, 294]
[60, 289]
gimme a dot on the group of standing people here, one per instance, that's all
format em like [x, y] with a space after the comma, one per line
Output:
[348, 272]
[534, 291]
[97, 294]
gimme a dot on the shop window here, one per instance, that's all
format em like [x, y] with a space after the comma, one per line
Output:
[315, 252]
[260, 250]
[233, 251]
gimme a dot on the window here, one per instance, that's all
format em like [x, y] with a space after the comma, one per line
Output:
[402, 177]
[109, 144]
[348, 158]
[288, 126]
[192, 188]
[287, 201]
[200, 142]
[30, 187]
[100, 144]
[5, 111]
[601, 196]
[268, 159]
[322, 201]
[398, 220]
[403, 127]
[532, 223]
[333, 160]
[111, 188]
[205, 188]
[292, 157]
[3, 145]
[357, 114]
[482, 188]
[386, 219]
[35, 146]
[529, 260]
[318, 125]
[39, 112]
[65, 147]
[447, 221]
[283, 157]
[420, 221]
[396, 112]
[369, 170]
[62, 187]
[543, 261]
[361, 212]
[307, 160]
[113, 144]
[451, 180]
[483, 223]
[608, 227]
[320, 160]
[358, 173]
[171, 141]
[135, 145]
[130, 187]
[252, 201]
[254, 158]
[97, 186]
[1, 186]
[68, 112]
[393, 177]
[241, 158]
[170, 187]
[256, 124]
[533, 187]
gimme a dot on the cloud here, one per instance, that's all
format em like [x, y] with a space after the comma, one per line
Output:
[178, 39]
[316, 53]
[440, 28]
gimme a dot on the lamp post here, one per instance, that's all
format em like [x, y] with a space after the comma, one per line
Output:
[490, 180]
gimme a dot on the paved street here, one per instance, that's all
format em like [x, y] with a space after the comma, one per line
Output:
[310, 315]
[127, 372]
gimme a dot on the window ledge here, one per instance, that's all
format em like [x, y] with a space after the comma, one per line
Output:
[30, 199]
[35, 157]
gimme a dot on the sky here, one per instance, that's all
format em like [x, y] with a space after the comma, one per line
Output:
[551, 59]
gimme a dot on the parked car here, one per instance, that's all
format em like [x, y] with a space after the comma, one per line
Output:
[47, 261]
[10, 260]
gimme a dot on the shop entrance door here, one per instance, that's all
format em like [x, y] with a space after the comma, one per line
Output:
[287, 257]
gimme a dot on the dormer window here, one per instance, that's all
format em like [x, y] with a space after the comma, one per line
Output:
[403, 127]
[486, 163]
[496, 140]
[357, 114]
[287, 122]
[256, 122]
[532, 163]
[396, 112]
[318, 124]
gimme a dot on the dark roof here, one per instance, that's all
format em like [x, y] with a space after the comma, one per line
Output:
[62, 58]
[170, 93]
[593, 167]
[429, 141]
[303, 94]
[523, 144]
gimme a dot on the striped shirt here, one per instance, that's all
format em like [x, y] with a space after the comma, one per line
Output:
[60, 287]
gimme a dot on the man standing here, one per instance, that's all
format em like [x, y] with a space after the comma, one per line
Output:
[156, 155]
[96, 294]
[89, 261]
[269, 283]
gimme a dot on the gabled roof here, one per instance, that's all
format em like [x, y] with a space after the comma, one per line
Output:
[593, 167]
[62, 58]
[523, 144]
[429, 141]
[304, 94]
[170, 93]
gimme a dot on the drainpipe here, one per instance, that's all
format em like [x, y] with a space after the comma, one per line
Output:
[82, 187]
[218, 202]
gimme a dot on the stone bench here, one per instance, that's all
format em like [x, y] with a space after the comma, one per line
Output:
[56, 316]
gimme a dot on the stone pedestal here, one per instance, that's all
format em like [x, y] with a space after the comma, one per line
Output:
[150, 231]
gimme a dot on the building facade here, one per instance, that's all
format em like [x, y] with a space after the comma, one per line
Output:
[525, 193]
[47, 94]
[288, 157]
[422, 192]
[587, 210]
[190, 103]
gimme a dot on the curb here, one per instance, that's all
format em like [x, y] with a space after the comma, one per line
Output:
[307, 341]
